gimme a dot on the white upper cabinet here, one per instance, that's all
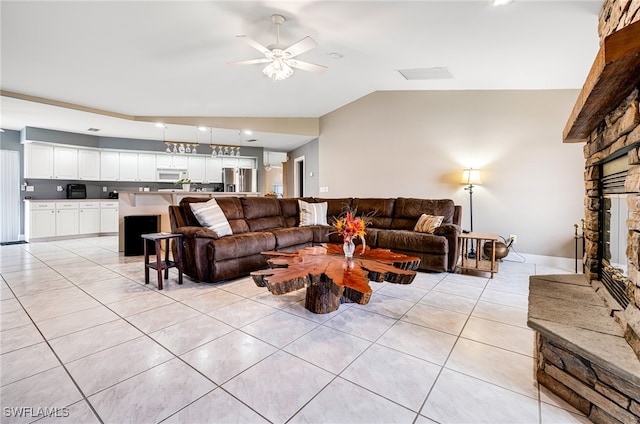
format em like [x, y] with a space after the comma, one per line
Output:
[229, 162]
[247, 163]
[88, 165]
[196, 169]
[128, 166]
[109, 166]
[180, 161]
[38, 161]
[146, 166]
[65, 163]
[169, 161]
[213, 170]
[48, 161]
[137, 166]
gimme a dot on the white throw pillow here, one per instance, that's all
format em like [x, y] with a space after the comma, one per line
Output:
[312, 213]
[210, 215]
[428, 223]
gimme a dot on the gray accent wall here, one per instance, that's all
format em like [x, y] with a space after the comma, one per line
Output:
[310, 151]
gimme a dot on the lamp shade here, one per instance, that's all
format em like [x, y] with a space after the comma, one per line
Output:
[471, 176]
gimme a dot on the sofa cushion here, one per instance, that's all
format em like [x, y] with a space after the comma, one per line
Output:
[292, 236]
[408, 210]
[379, 212]
[428, 223]
[335, 207]
[262, 213]
[312, 213]
[211, 216]
[240, 245]
[411, 241]
[231, 207]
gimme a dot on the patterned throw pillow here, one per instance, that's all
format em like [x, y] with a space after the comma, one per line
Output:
[428, 223]
[210, 215]
[312, 213]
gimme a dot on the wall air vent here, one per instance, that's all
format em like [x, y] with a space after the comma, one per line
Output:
[93, 129]
[426, 73]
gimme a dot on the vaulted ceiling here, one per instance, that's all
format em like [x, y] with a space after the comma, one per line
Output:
[144, 61]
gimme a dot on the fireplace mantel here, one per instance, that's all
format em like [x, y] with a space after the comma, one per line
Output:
[614, 74]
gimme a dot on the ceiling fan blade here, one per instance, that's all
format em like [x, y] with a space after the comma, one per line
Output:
[249, 62]
[253, 43]
[306, 66]
[306, 44]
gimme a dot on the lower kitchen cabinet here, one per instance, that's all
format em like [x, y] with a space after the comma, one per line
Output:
[51, 219]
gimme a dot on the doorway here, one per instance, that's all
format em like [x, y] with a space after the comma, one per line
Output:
[298, 177]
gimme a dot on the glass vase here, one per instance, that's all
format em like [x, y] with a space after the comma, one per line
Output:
[348, 247]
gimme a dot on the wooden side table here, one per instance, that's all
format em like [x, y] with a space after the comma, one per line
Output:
[160, 264]
[478, 263]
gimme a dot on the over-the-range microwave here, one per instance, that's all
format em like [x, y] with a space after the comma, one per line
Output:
[171, 175]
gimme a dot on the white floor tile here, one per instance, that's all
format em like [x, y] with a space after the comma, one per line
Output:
[295, 380]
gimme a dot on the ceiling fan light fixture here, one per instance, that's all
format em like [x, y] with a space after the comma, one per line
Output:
[278, 70]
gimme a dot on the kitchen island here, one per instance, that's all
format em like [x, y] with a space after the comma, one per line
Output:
[158, 202]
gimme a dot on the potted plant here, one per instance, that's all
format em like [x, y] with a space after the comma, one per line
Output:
[185, 183]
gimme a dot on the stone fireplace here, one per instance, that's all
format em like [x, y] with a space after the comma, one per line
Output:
[588, 326]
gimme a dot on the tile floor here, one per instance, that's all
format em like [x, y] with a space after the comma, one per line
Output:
[83, 338]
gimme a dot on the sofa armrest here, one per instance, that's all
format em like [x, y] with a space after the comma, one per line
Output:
[194, 255]
[446, 229]
[197, 232]
[451, 232]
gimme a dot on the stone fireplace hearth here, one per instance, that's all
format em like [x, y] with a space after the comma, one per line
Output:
[588, 326]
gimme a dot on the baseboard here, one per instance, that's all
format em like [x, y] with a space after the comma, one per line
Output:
[568, 264]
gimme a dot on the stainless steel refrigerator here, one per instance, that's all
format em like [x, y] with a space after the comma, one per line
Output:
[239, 180]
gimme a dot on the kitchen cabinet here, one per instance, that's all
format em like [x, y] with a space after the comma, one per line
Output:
[171, 161]
[50, 219]
[38, 161]
[109, 217]
[40, 220]
[229, 162]
[89, 217]
[247, 163]
[66, 218]
[146, 166]
[88, 165]
[65, 163]
[213, 170]
[109, 166]
[137, 166]
[196, 169]
[128, 167]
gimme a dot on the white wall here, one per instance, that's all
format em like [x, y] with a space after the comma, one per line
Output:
[416, 143]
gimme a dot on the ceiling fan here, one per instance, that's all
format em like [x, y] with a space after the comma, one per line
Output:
[281, 60]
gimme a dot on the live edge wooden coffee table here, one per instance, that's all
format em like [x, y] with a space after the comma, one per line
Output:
[330, 278]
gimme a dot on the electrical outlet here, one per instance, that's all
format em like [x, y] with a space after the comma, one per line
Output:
[60, 188]
[514, 238]
[29, 188]
[104, 189]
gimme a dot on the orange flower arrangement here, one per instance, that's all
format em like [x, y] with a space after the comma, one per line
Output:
[348, 225]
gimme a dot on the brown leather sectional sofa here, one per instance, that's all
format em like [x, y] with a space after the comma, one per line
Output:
[261, 223]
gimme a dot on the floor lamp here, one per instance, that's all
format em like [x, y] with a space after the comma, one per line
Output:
[471, 177]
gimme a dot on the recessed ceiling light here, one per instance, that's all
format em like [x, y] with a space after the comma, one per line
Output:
[247, 132]
[160, 125]
[202, 128]
[335, 55]
[93, 129]
[499, 2]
